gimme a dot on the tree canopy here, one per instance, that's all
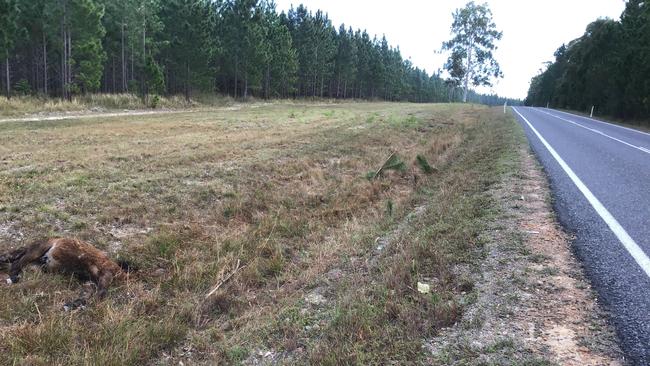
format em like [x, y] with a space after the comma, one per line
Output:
[608, 67]
[474, 34]
[242, 48]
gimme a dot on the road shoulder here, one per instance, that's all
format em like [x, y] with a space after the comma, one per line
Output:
[534, 304]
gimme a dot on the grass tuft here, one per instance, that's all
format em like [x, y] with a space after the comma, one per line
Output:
[424, 164]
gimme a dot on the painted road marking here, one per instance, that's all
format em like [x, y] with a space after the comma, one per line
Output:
[630, 245]
[603, 122]
[640, 148]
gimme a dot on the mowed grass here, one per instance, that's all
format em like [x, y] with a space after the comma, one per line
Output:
[271, 202]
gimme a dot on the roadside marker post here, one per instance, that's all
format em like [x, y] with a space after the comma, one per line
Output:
[591, 115]
[505, 105]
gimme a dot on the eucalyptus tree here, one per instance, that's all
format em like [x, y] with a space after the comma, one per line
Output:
[474, 35]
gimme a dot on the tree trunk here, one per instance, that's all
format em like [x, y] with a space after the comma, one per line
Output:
[338, 86]
[8, 81]
[267, 82]
[245, 86]
[45, 79]
[36, 70]
[187, 82]
[124, 86]
[236, 74]
[143, 75]
[468, 72]
[68, 64]
[64, 37]
[132, 62]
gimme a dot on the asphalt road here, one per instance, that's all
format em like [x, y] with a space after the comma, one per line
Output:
[600, 181]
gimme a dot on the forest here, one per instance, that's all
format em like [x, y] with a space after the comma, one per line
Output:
[241, 48]
[608, 68]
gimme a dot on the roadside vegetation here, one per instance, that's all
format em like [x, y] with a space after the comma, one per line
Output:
[310, 225]
[35, 106]
[607, 68]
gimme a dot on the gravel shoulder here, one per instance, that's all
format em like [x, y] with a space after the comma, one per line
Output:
[534, 304]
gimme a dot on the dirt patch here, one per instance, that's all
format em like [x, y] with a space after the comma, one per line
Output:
[563, 309]
[533, 303]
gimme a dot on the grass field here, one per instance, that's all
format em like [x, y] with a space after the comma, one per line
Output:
[317, 256]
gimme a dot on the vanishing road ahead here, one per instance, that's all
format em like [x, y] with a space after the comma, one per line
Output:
[600, 178]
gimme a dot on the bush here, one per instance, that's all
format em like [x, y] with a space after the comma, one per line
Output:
[155, 101]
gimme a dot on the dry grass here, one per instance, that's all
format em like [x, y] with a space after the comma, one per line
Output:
[30, 105]
[282, 189]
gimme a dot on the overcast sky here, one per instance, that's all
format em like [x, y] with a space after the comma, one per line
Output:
[532, 30]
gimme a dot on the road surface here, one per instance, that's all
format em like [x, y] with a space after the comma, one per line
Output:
[600, 178]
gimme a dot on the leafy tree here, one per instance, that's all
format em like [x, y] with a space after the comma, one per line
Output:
[608, 67]
[471, 60]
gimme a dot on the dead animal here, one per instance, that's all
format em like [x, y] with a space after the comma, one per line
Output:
[70, 256]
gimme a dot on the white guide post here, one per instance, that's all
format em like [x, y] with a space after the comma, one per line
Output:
[591, 115]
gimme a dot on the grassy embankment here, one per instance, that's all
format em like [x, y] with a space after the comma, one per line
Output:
[319, 260]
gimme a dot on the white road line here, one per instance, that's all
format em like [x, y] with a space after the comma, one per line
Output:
[640, 148]
[603, 122]
[630, 245]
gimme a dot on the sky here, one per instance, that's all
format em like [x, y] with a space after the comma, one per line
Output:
[532, 30]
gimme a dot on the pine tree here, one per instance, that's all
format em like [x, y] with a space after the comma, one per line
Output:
[280, 56]
[186, 51]
[9, 13]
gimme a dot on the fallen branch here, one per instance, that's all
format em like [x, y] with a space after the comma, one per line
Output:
[222, 282]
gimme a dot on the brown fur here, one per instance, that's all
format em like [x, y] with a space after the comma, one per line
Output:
[71, 256]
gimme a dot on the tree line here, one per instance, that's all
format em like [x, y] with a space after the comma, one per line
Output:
[237, 47]
[608, 67]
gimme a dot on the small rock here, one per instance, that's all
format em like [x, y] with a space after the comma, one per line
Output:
[423, 288]
[316, 297]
